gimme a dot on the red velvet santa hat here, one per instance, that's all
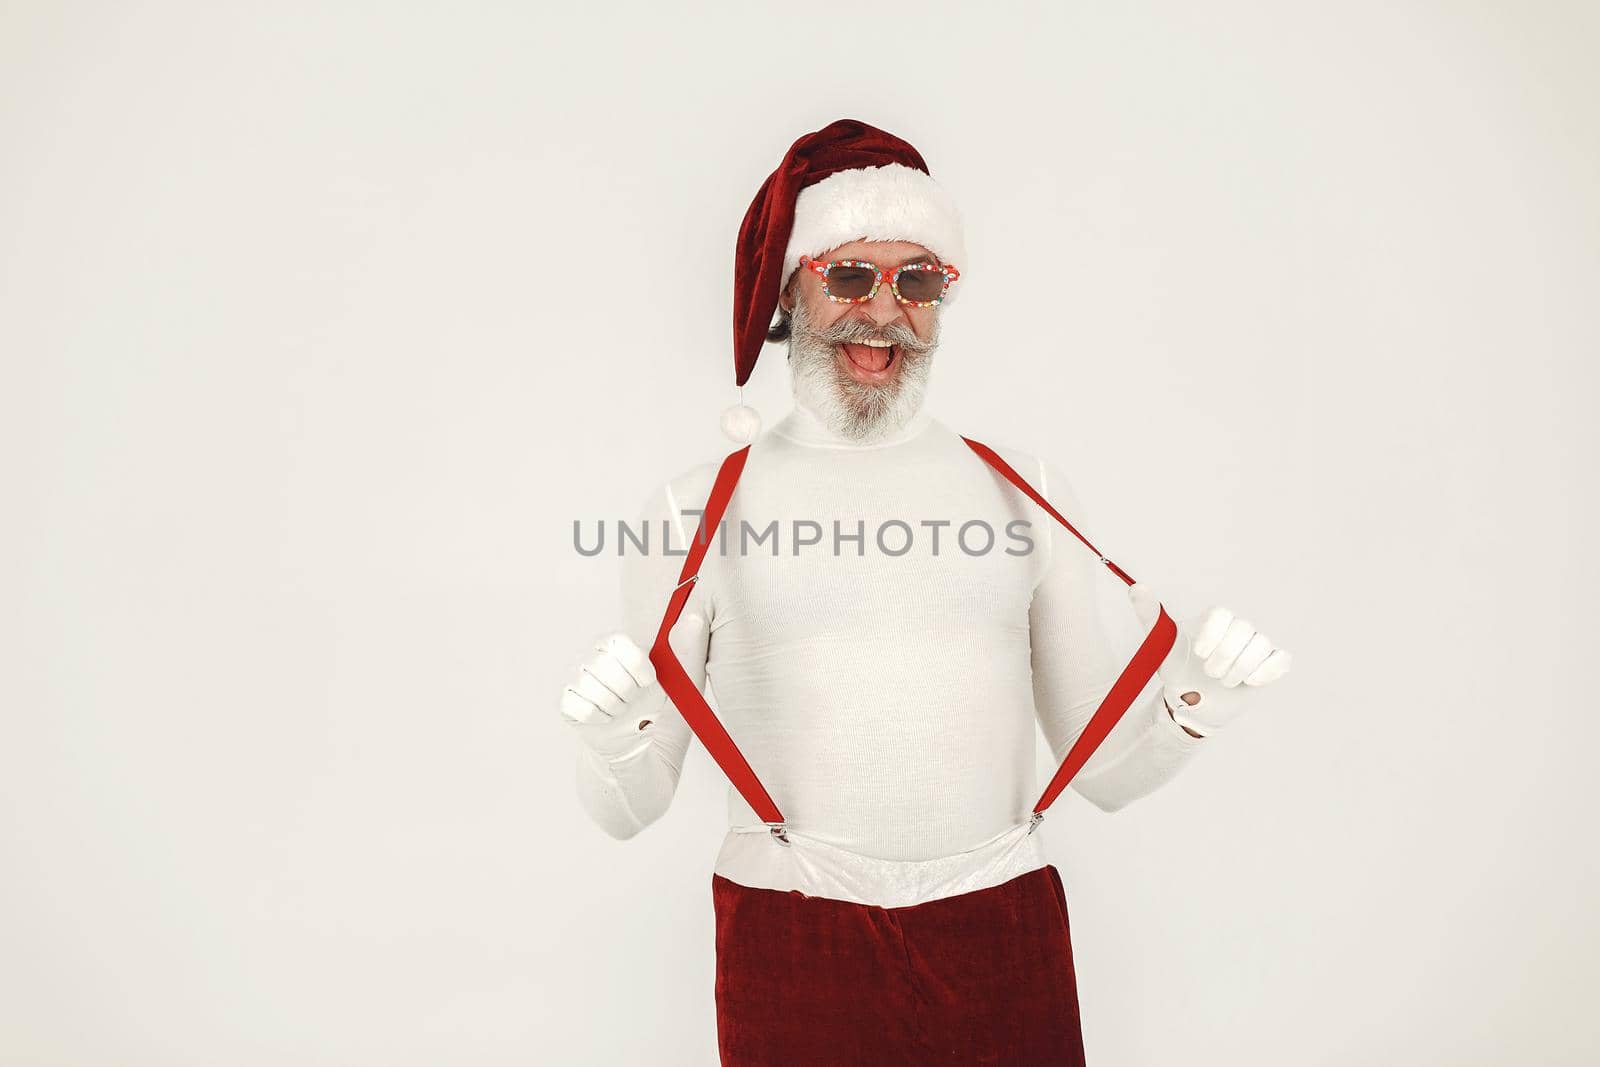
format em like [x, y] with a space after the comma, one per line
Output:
[845, 182]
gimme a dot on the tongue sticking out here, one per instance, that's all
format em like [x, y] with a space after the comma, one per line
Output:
[867, 357]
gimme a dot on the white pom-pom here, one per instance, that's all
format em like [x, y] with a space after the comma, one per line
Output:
[741, 423]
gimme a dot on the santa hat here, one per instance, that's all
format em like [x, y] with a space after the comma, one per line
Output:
[845, 182]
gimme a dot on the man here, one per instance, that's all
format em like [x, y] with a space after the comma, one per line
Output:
[880, 660]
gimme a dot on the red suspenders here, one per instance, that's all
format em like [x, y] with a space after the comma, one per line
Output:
[681, 690]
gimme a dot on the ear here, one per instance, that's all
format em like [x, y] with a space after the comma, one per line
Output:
[786, 297]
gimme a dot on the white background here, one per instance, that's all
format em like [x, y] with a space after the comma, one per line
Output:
[321, 323]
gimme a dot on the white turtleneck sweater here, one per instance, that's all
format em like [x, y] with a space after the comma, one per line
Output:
[885, 687]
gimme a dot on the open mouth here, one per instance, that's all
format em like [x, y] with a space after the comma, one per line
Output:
[869, 361]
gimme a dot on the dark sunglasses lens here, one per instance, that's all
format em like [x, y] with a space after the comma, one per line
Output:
[850, 283]
[921, 285]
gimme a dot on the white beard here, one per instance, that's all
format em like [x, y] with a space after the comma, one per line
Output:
[856, 410]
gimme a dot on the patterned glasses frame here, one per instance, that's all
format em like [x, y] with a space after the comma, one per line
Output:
[879, 274]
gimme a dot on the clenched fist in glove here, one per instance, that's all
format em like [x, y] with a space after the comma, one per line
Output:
[614, 699]
[1213, 654]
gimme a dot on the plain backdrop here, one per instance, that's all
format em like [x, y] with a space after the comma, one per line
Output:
[322, 323]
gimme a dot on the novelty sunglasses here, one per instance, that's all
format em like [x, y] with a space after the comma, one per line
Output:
[855, 281]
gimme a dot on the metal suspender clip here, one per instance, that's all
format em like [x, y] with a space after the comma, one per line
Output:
[780, 832]
[686, 581]
[1034, 820]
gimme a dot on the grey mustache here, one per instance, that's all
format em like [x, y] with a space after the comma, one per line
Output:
[855, 333]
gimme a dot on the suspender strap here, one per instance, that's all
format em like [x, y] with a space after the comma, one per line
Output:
[678, 686]
[675, 681]
[1139, 670]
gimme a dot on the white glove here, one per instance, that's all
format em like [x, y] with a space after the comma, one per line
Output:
[1211, 656]
[614, 699]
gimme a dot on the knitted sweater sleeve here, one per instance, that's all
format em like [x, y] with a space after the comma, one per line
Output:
[1083, 630]
[625, 795]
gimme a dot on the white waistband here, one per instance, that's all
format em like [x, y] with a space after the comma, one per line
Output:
[752, 857]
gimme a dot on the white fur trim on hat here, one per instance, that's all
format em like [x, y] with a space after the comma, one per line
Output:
[893, 202]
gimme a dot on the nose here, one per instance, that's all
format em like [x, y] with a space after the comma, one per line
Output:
[883, 309]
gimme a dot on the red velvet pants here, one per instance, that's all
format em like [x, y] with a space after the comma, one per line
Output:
[979, 978]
